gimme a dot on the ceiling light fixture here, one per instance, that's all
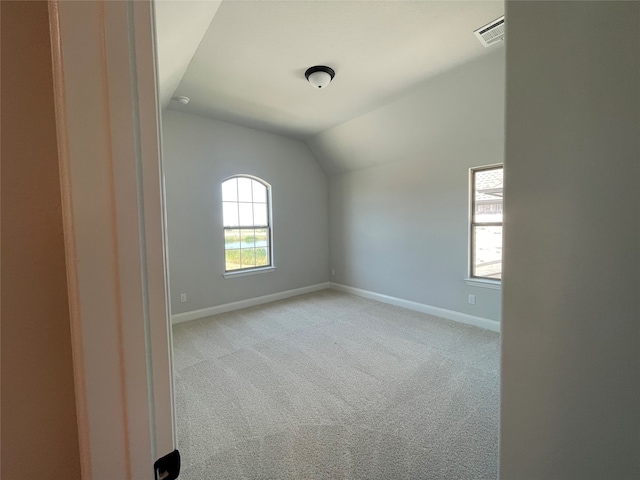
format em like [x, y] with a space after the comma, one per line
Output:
[182, 99]
[320, 76]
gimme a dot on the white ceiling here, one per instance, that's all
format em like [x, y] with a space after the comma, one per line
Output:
[249, 65]
[180, 26]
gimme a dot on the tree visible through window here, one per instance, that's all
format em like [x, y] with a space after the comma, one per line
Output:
[486, 222]
[246, 218]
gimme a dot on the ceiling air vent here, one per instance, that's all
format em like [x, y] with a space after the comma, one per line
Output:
[491, 33]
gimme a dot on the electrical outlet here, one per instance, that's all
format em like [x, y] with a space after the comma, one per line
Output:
[183, 297]
[333, 271]
[472, 299]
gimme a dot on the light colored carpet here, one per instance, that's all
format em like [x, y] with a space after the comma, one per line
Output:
[333, 386]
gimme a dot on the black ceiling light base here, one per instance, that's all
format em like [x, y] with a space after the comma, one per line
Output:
[319, 68]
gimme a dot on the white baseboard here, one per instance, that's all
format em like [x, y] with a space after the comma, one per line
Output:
[481, 322]
[251, 302]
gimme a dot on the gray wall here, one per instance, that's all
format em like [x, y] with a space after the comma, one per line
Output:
[571, 311]
[198, 154]
[401, 228]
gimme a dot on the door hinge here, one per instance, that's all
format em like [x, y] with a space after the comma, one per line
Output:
[167, 467]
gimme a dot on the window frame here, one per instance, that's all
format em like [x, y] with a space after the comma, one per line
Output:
[475, 280]
[239, 272]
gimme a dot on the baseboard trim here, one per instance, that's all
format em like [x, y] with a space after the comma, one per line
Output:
[465, 318]
[251, 302]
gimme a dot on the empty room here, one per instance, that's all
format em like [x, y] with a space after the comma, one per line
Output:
[335, 335]
[333, 252]
[333, 175]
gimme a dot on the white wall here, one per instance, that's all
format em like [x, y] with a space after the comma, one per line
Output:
[401, 228]
[571, 310]
[199, 153]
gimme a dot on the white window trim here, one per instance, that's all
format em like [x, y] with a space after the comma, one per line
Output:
[244, 273]
[484, 283]
[469, 279]
[256, 270]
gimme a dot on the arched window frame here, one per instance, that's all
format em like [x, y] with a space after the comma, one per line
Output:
[257, 233]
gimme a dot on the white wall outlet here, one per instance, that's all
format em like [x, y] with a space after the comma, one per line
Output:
[472, 299]
[183, 297]
[333, 271]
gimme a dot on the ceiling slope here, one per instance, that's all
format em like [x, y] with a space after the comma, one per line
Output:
[249, 67]
[457, 113]
[180, 26]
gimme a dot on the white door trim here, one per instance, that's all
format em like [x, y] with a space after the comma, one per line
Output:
[112, 197]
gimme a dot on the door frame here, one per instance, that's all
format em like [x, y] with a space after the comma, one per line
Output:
[108, 124]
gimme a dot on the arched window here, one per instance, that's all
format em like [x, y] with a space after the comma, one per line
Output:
[246, 214]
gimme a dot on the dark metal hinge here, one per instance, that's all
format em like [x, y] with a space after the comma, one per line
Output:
[167, 467]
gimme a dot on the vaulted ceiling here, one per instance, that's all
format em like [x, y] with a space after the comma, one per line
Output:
[244, 61]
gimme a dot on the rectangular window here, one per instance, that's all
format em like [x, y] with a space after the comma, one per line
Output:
[486, 222]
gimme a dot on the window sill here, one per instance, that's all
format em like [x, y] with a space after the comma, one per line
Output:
[244, 273]
[481, 282]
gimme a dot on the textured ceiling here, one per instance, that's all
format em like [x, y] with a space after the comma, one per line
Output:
[249, 65]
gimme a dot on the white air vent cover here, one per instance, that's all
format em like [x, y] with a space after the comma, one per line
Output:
[492, 32]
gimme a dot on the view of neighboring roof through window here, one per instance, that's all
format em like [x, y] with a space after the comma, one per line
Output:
[486, 222]
[246, 220]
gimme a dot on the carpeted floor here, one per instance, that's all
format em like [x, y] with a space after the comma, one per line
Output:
[333, 386]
